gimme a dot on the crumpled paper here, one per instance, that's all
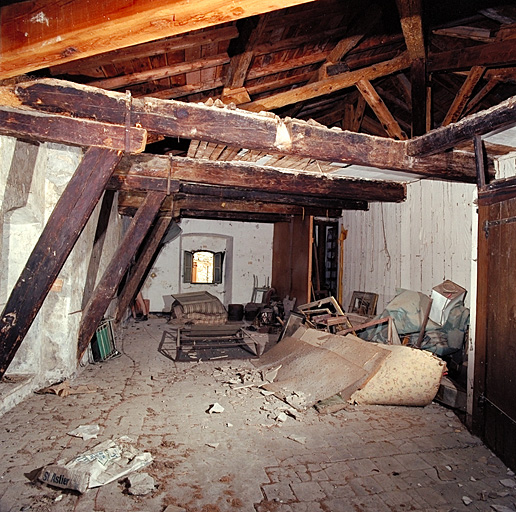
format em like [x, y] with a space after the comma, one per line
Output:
[106, 462]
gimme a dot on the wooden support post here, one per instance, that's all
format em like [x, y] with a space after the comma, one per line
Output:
[480, 163]
[62, 230]
[150, 248]
[419, 97]
[107, 286]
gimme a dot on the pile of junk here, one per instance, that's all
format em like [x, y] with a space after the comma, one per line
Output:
[399, 357]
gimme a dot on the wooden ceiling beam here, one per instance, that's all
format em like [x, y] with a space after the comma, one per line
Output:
[241, 129]
[329, 85]
[139, 183]
[463, 96]
[494, 118]
[264, 218]
[380, 109]
[40, 33]
[43, 127]
[254, 177]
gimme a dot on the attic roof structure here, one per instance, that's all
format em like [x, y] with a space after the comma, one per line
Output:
[389, 72]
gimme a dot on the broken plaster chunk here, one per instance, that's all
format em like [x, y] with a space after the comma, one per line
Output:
[215, 408]
[271, 374]
[281, 417]
[502, 508]
[467, 500]
[508, 482]
[213, 445]
[140, 484]
[174, 508]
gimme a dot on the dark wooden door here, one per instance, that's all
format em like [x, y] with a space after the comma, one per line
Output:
[494, 408]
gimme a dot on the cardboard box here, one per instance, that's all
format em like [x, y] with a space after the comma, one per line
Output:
[444, 297]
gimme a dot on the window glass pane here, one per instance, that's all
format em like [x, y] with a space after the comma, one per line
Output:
[202, 267]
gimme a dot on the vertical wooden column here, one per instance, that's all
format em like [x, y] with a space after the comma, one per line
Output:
[151, 246]
[107, 286]
[62, 230]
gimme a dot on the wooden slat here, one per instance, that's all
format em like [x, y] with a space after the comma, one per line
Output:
[122, 81]
[39, 126]
[61, 231]
[379, 108]
[137, 275]
[499, 116]
[462, 97]
[106, 288]
[41, 33]
[329, 85]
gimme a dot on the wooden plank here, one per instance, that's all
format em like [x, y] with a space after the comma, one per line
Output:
[499, 116]
[412, 27]
[380, 109]
[238, 129]
[475, 101]
[462, 97]
[265, 179]
[329, 85]
[147, 50]
[61, 231]
[119, 82]
[148, 253]
[480, 161]
[490, 55]
[39, 126]
[105, 290]
[37, 34]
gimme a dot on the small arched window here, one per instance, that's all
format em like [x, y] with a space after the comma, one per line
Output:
[203, 267]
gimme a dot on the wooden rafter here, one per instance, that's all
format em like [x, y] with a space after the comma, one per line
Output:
[463, 96]
[329, 85]
[446, 137]
[358, 30]
[36, 34]
[490, 55]
[380, 109]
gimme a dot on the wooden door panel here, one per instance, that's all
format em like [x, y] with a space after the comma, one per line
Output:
[495, 351]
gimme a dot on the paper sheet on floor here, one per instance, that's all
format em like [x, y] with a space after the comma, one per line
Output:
[105, 463]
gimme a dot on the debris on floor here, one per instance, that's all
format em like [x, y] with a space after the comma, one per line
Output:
[64, 389]
[85, 431]
[104, 463]
[140, 484]
[314, 366]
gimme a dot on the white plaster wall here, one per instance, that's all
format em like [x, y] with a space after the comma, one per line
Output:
[48, 352]
[251, 255]
[413, 245]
